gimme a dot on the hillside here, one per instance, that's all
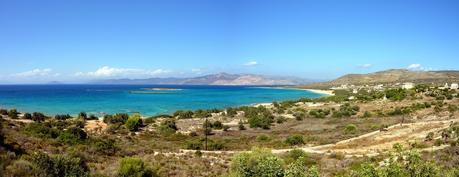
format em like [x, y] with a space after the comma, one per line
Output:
[212, 79]
[392, 76]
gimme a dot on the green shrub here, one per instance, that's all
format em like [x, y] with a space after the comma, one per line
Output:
[226, 128]
[350, 129]
[217, 125]
[299, 116]
[134, 167]
[241, 125]
[60, 166]
[41, 130]
[38, 117]
[72, 136]
[105, 146]
[27, 116]
[263, 138]
[295, 140]
[13, 113]
[281, 119]
[3, 112]
[149, 120]
[181, 114]
[259, 162]
[82, 115]
[117, 118]
[230, 112]
[133, 123]
[62, 117]
[168, 126]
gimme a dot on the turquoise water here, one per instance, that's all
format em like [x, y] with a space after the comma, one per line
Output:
[101, 99]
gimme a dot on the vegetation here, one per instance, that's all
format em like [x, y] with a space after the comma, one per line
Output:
[134, 167]
[133, 123]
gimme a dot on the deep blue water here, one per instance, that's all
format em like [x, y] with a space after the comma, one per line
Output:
[98, 99]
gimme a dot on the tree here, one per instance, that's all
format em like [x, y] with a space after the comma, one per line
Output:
[134, 167]
[168, 126]
[133, 123]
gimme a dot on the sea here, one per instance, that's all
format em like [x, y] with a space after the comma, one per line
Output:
[148, 100]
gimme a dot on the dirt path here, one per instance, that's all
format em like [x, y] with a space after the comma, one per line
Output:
[374, 143]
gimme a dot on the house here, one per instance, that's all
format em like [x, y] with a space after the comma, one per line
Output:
[454, 86]
[408, 85]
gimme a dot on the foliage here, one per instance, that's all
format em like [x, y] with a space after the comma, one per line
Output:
[134, 167]
[241, 125]
[13, 113]
[60, 166]
[41, 130]
[231, 112]
[200, 113]
[105, 146]
[62, 117]
[133, 123]
[72, 136]
[346, 110]
[117, 118]
[296, 169]
[38, 117]
[259, 162]
[263, 138]
[27, 116]
[319, 113]
[295, 140]
[82, 115]
[3, 112]
[168, 126]
[258, 117]
[396, 94]
[350, 128]
[182, 114]
[217, 125]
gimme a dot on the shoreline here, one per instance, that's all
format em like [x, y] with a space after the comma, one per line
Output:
[324, 92]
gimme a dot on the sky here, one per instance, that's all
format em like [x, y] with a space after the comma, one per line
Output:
[79, 40]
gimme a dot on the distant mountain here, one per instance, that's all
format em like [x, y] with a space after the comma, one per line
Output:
[212, 79]
[392, 76]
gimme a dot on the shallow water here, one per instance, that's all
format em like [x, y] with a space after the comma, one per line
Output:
[100, 99]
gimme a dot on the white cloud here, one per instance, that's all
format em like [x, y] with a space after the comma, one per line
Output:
[365, 65]
[251, 63]
[197, 71]
[36, 73]
[107, 71]
[414, 67]
[419, 67]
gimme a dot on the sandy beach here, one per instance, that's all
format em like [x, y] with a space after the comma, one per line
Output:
[325, 92]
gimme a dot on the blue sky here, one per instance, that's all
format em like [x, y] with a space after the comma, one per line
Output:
[78, 40]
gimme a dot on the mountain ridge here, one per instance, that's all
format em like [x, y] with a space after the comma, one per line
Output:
[212, 79]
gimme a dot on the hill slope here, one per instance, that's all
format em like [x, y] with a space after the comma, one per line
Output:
[392, 76]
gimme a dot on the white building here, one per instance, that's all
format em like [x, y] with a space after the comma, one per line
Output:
[454, 86]
[408, 85]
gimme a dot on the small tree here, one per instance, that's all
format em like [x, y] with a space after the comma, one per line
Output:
[82, 115]
[259, 162]
[295, 140]
[133, 123]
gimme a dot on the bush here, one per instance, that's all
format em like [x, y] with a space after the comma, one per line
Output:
[263, 138]
[217, 125]
[13, 113]
[3, 112]
[299, 116]
[27, 116]
[168, 126]
[241, 126]
[38, 117]
[230, 112]
[226, 128]
[41, 130]
[181, 114]
[82, 115]
[105, 146]
[62, 117]
[134, 167]
[295, 140]
[133, 123]
[117, 118]
[259, 162]
[149, 120]
[72, 136]
[60, 166]
[350, 128]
